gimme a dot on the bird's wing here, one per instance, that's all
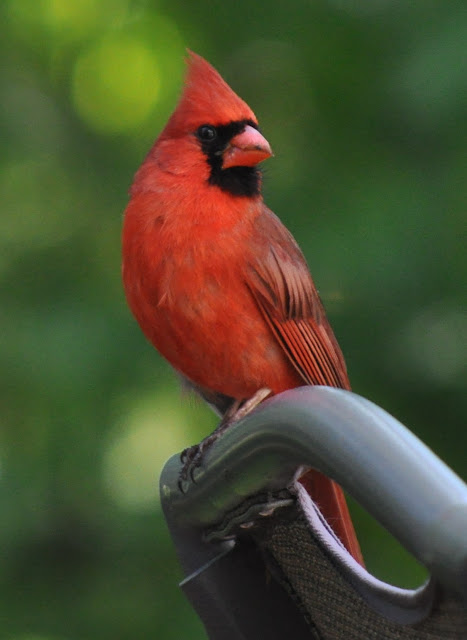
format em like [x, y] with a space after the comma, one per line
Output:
[282, 286]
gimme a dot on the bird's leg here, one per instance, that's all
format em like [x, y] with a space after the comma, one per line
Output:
[193, 456]
[239, 410]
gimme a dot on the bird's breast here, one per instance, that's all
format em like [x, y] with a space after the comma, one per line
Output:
[188, 290]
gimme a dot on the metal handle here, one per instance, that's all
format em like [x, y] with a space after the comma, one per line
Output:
[387, 469]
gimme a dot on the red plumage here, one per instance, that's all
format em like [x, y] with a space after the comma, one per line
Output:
[216, 282]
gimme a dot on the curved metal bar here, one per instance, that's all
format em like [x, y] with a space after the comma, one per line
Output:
[393, 475]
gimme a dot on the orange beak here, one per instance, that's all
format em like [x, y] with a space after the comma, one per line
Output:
[246, 149]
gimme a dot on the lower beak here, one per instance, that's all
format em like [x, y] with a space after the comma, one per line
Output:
[246, 149]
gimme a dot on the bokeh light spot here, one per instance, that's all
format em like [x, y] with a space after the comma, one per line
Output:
[433, 345]
[75, 16]
[70, 21]
[151, 431]
[116, 84]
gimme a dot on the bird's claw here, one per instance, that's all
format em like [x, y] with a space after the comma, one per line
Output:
[192, 459]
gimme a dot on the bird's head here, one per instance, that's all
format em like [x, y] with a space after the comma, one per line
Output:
[212, 135]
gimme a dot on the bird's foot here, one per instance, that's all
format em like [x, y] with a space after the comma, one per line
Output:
[192, 457]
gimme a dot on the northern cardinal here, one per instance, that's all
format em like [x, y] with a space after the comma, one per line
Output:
[215, 280]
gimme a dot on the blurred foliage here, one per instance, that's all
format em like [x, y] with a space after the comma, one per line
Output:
[364, 103]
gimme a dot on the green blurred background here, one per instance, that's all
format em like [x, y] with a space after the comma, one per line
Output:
[364, 104]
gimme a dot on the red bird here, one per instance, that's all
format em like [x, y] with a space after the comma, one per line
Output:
[215, 280]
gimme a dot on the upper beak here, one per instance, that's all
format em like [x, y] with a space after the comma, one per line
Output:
[246, 149]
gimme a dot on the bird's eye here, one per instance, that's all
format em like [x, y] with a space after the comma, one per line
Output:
[206, 133]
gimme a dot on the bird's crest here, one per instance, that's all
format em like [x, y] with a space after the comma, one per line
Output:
[206, 99]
